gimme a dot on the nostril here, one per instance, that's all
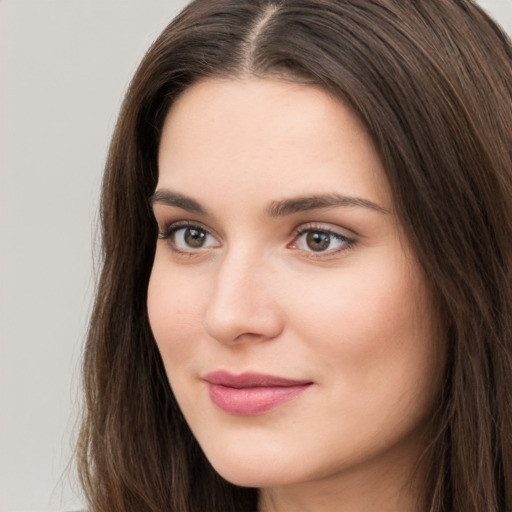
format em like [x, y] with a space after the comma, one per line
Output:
[249, 325]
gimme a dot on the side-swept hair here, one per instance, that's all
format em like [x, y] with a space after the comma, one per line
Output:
[432, 82]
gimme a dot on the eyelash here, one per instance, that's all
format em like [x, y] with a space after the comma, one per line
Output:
[170, 231]
[348, 243]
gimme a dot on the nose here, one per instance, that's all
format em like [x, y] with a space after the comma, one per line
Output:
[242, 306]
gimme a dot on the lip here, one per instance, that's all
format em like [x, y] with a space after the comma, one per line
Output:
[249, 394]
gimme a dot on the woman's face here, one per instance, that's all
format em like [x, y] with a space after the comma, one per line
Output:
[293, 321]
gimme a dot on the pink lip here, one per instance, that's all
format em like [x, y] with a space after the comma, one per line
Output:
[251, 393]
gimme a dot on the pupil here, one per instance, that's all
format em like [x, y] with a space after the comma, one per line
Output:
[195, 237]
[318, 241]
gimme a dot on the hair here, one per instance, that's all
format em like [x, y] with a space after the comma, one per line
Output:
[432, 82]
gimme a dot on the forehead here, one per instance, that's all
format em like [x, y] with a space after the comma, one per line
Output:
[267, 138]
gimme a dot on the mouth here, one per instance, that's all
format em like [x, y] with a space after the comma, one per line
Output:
[249, 394]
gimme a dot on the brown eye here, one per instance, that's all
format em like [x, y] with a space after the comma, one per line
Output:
[188, 238]
[194, 237]
[314, 240]
[318, 240]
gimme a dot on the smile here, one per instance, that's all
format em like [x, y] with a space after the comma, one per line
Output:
[249, 394]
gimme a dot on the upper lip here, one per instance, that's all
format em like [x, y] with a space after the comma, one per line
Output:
[251, 380]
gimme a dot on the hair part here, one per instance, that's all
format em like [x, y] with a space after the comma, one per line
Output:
[432, 82]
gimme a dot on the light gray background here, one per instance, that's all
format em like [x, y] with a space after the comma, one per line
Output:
[64, 66]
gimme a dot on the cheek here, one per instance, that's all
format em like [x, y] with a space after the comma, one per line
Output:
[360, 309]
[370, 330]
[174, 311]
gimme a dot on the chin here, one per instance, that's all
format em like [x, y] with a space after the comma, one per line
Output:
[249, 478]
[247, 471]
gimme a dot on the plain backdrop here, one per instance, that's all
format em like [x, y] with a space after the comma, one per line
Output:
[64, 66]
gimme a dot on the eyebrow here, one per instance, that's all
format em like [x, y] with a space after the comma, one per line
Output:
[279, 208]
[170, 198]
[315, 202]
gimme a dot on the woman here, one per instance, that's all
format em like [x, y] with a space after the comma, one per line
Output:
[305, 296]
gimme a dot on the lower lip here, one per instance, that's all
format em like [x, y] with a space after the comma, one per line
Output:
[252, 401]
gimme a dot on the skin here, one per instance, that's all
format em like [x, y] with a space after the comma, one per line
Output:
[355, 319]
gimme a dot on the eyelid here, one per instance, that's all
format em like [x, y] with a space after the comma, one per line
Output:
[166, 227]
[171, 228]
[337, 232]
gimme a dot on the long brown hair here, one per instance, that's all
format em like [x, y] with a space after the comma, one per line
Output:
[432, 81]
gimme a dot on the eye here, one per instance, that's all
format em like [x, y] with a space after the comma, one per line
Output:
[188, 237]
[320, 240]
